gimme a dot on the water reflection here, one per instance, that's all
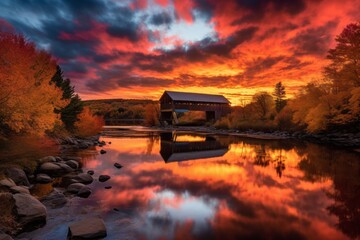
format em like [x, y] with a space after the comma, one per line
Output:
[253, 189]
[176, 147]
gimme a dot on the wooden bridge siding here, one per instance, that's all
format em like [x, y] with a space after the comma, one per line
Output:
[219, 109]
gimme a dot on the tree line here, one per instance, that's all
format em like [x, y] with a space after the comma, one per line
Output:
[35, 97]
[329, 104]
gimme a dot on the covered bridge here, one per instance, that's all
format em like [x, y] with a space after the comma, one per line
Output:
[215, 106]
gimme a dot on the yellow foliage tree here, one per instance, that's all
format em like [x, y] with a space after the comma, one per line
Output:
[88, 124]
[152, 112]
[26, 96]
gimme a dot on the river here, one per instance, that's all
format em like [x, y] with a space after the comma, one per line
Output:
[201, 186]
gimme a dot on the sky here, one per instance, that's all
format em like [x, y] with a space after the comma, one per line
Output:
[139, 48]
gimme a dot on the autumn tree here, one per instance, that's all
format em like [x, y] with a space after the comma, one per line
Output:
[279, 94]
[88, 124]
[152, 113]
[344, 69]
[70, 112]
[27, 96]
[263, 104]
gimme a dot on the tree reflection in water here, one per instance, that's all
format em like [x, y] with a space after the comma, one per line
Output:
[343, 168]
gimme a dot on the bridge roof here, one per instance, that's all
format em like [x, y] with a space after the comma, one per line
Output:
[196, 97]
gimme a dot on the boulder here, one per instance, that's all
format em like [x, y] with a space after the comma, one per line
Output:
[104, 178]
[84, 192]
[73, 164]
[31, 213]
[84, 178]
[55, 169]
[102, 151]
[19, 189]
[55, 199]
[75, 187]
[7, 182]
[50, 167]
[91, 172]
[90, 228]
[43, 178]
[4, 236]
[76, 178]
[108, 187]
[48, 159]
[118, 165]
[67, 158]
[64, 167]
[18, 176]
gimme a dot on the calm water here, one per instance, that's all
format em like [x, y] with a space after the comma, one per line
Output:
[182, 186]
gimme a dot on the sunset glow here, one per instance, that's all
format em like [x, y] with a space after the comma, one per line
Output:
[138, 49]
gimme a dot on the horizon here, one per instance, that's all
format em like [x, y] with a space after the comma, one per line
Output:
[138, 49]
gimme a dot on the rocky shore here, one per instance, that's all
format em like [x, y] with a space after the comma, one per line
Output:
[22, 212]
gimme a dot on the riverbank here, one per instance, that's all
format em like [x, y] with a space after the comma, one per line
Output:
[349, 140]
[27, 194]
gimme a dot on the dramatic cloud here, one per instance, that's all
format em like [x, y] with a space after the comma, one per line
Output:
[138, 48]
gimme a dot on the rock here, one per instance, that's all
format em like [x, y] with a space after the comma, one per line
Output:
[18, 176]
[64, 167]
[55, 199]
[73, 164]
[7, 182]
[48, 159]
[76, 178]
[4, 236]
[75, 187]
[58, 159]
[91, 172]
[102, 151]
[55, 169]
[90, 228]
[84, 192]
[19, 189]
[118, 165]
[49, 167]
[104, 178]
[108, 187]
[109, 142]
[43, 178]
[31, 213]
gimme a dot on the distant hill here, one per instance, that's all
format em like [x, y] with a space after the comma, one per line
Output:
[112, 109]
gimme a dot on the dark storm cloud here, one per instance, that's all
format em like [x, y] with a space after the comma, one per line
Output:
[74, 17]
[161, 19]
[120, 76]
[88, 7]
[313, 41]
[260, 6]
[260, 65]
[257, 9]
[121, 23]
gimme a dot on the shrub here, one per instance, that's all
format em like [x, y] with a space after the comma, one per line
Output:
[88, 124]
[152, 112]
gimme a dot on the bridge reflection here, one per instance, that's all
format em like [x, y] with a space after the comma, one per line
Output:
[175, 148]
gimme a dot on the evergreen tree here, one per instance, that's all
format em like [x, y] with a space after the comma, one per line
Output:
[69, 113]
[279, 95]
[344, 68]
